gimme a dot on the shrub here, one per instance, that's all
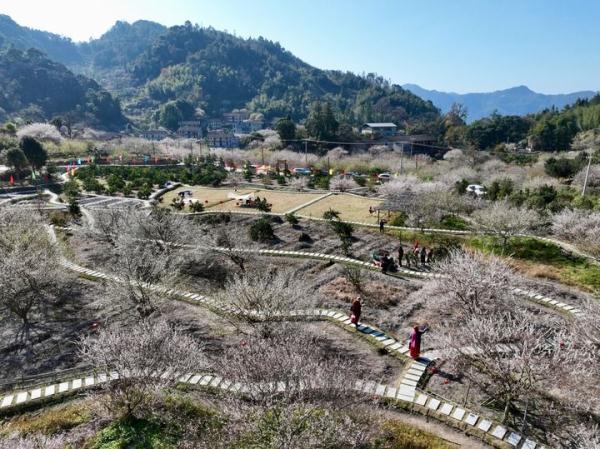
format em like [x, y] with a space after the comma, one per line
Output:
[344, 231]
[331, 214]
[196, 206]
[291, 219]
[304, 238]
[144, 192]
[58, 219]
[177, 204]
[399, 219]
[261, 231]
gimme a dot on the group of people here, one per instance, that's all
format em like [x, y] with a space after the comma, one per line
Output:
[414, 342]
[415, 256]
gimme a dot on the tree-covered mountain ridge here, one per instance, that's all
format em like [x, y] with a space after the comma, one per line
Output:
[147, 66]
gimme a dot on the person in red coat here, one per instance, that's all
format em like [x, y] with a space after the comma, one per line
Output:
[414, 345]
[355, 310]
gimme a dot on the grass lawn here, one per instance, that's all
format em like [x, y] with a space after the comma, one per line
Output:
[351, 208]
[545, 260]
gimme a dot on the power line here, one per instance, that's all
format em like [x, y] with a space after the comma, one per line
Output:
[333, 142]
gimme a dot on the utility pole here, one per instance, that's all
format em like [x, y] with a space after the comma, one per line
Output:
[587, 174]
[306, 151]
[402, 159]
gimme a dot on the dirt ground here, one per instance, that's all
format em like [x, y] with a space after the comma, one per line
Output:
[209, 196]
[54, 336]
[351, 207]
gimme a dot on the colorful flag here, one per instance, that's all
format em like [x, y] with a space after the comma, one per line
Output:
[33, 175]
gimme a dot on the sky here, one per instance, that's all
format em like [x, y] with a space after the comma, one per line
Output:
[552, 46]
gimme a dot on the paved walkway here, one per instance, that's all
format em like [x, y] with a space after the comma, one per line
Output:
[407, 393]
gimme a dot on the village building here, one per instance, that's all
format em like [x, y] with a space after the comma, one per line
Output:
[377, 130]
[222, 138]
[191, 129]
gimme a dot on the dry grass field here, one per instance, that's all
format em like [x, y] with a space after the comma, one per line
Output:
[351, 208]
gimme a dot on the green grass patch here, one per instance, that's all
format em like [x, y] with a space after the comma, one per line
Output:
[49, 421]
[543, 259]
[135, 433]
[454, 222]
[162, 430]
[402, 436]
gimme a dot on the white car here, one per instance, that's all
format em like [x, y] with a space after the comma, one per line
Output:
[476, 189]
[384, 177]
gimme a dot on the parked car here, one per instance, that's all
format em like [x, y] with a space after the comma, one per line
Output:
[302, 171]
[169, 184]
[384, 177]
[476, 189]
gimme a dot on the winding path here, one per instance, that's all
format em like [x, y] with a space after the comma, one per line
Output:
[406, 395]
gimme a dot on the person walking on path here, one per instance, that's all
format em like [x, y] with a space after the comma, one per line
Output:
[414, 345]
[400, 255]
[381, 225]
[429, 255]
[423, 255]
[355, 310]
[371, 210]
[408, 257]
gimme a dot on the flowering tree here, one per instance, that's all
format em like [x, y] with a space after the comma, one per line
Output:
[593, 182]
[514, 354]
[505, 221]
[31, 277]
[260, 297]
[34, 442]
[146, 249]
[40, 131]
[299, 397]
[580, 227]
[299, 184]
[147, 357]
[342, 184]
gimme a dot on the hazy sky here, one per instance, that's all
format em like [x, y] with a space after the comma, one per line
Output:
[551, 46]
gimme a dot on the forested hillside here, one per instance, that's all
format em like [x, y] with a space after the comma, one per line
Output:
[148, 65]
[35, 88]
[58, 48]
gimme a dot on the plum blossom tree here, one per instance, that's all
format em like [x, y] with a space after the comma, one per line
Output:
[299, 398]
[144, 359]
[32, 280]
[257, 298]
[299, 184]
[505, 221]
[40, 131]
[579, 227]
[342, 184]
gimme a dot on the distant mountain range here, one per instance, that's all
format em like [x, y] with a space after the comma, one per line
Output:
[518, 100]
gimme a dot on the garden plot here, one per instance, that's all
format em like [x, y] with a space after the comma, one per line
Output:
[209, 196]
[351, 208]
[282, 202]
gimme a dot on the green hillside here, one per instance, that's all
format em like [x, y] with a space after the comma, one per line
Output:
[33, 87]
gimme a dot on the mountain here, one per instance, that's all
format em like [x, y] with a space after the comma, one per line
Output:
[218, 72]
[148, 67]
[35, 88]
[58, 48]
[518, 100]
